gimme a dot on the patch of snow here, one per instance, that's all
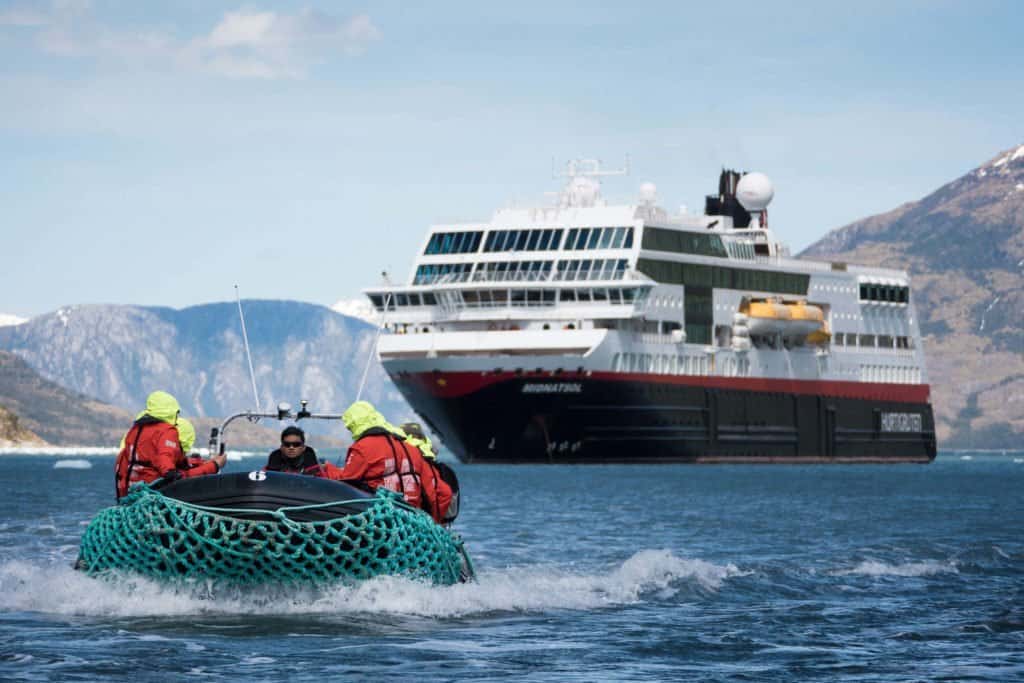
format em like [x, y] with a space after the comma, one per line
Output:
[1019, 187]
[1002, 161]
[62, 315]
[982, 173]
[358, 308]
[8, 320]
[982, 326]
[1018, 153]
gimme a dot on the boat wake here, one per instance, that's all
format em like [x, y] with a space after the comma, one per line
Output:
[651, 574]
[906, 569]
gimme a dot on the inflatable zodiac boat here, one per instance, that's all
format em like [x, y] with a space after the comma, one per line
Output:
[256, 527]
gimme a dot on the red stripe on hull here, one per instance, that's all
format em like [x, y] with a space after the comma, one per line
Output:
[455, 384]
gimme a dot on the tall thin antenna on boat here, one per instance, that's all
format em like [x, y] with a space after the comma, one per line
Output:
[248, 353]
[376, 339]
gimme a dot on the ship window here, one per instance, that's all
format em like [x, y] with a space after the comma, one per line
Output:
[606, 237]
[866, 340]
[545, 240]
[471, 297]
[520, 237]
[583, 295]
[629, 238]
[531, 245]
[414, 299]
[837, 339]
[429, 299]
[628, 295]
[556, 239]
[568, 295]
[600, 294]
[581, 240]
[518, 297]
[453, 242]
[570, 241]
[595, 235]
[615, 296]
[620, 233]
[885, 341]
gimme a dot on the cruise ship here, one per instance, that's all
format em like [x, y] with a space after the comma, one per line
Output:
[592, 332]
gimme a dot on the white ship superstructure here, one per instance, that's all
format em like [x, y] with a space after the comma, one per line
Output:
[594, 328]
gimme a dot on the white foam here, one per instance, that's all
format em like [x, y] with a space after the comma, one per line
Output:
[28, 586]
[877, 568]
[72, 465]
[58, 451]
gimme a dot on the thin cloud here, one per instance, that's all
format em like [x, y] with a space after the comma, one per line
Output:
[244, 43]
[247, 44]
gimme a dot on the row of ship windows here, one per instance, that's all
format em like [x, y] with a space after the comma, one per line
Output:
[886, 293]
[661, 364]
[871, 341]
[515, 297]
[897, 374]
[723, 277]
[529, 240]
[504, 271]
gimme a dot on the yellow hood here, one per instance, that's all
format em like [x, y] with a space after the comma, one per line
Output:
[361, 416]
[186, 435]
[163, 407]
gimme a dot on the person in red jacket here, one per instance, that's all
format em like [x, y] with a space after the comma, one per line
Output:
[152, 448]
[381, 456]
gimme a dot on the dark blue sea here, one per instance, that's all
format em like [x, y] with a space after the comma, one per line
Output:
[594, 573]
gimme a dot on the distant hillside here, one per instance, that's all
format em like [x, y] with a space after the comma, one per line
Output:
[964, 248]
[13, 433]
[119, 354]
[61, 417]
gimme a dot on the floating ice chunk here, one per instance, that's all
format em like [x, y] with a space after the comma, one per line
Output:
[78, 464]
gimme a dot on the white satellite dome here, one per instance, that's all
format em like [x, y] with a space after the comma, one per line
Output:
[755, 191]
[648, 192]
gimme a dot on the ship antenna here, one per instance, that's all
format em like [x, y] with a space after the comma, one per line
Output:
[376, 339]
[248, 353]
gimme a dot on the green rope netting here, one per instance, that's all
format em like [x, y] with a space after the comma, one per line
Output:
[164, 538]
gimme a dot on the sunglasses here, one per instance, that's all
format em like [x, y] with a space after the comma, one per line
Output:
[291, 444]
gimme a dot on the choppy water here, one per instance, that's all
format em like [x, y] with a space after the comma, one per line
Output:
[654, 573]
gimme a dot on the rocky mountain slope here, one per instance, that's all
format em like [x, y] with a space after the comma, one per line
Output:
[59, 416]
[964, 248]
[118, 354]
[13, 433]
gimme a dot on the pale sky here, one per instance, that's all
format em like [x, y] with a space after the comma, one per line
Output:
[160, 153]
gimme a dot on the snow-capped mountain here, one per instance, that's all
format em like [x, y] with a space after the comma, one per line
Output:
[964, 247]
[357, 308]
[118, 354]
[6, 320]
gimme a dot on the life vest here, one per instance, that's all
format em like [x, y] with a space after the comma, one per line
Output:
[148, 447]
[307, 464]
[447, 475]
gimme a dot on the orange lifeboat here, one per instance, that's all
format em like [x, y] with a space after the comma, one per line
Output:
[788, 318]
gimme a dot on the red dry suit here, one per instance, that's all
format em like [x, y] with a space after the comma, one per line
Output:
[379, 458]
[151, 451]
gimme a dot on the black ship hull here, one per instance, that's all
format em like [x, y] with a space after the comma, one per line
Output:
[583, 417]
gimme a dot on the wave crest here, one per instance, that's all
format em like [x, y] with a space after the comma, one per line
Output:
[29, 587]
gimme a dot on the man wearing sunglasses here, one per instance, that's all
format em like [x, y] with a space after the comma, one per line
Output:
[294, 456]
